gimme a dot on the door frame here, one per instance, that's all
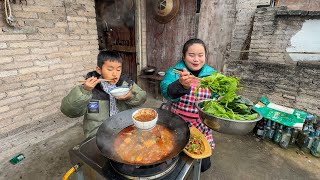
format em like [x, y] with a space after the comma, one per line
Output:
[140, 33]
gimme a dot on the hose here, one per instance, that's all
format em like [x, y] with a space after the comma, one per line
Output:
[70, 171]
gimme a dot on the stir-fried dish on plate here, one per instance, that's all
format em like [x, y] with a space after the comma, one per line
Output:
[195, 145]
[198, 146]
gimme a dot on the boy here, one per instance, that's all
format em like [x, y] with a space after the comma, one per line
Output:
[93, 100]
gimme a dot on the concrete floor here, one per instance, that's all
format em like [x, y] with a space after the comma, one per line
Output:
[235, 157]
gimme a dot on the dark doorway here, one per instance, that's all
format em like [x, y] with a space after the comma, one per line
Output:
[116, 31]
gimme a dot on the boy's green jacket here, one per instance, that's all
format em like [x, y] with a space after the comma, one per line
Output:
[95, 105]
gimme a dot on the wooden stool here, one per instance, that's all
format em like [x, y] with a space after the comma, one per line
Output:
[153, 81]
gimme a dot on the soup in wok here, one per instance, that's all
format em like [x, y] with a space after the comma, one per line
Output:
[144, 147]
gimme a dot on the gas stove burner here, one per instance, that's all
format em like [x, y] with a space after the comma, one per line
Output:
[96, 166]
[145, 172]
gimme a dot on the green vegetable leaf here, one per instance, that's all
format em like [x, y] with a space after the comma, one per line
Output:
[228, 105]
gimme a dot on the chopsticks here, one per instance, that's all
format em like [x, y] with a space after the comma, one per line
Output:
[106, 80]
[178, 71]
[159, 132]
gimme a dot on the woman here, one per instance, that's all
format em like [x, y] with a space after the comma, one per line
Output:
[179, 88]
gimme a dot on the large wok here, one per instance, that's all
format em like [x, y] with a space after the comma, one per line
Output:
[109, 130]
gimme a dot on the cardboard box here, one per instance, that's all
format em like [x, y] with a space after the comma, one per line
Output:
[280, 114]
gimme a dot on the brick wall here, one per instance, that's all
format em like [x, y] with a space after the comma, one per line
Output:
[245, 11]
[54, 45]
[269, 71]
[313, 5]
[226, 26]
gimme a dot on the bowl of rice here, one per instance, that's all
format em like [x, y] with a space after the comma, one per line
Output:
[119, 91]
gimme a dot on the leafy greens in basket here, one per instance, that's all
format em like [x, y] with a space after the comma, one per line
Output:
[229, 105]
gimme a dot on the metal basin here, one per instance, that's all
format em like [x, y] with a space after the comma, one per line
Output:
[226, 126]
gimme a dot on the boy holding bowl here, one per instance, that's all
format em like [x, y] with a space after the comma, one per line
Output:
[93, 98]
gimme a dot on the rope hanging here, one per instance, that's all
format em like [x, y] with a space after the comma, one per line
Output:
[9, 18]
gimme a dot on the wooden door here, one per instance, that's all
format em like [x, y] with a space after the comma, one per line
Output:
[116, 31]
[165, 41]
[122, 40]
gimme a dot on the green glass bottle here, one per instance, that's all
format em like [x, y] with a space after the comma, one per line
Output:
[16, 159]
[294, 136]
[272, 130]
[315, 147]
[285, 139]
[278, 135]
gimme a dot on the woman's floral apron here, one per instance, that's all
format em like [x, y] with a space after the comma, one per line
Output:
[187, 110]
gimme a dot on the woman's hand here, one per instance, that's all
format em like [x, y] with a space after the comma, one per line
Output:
[186, 79]
[91, 83]
[125, 97]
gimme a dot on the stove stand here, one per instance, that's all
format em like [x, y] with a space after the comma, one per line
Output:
[150, 172]
[156, 176]
[95, 166]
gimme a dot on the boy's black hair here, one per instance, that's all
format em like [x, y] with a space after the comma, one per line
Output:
[191, 42]
[108, 56]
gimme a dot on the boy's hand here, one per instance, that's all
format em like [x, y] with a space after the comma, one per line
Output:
[186, 79]
[91, 83]
[125, 97]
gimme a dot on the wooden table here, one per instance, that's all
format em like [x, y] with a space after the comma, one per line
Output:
[153, 81]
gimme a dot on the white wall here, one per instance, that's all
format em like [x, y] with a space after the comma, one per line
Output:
[306, 40]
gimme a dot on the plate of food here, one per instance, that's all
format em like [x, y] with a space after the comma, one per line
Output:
[198, 146]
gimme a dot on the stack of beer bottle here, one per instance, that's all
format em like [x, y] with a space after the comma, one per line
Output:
[307, 138]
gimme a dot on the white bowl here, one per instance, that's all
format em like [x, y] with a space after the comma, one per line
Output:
[151, 119]
[119, 91]
[150, 70]
[161, 73]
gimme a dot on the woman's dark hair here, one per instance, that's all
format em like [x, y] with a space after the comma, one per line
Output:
[108, 56]
[191, 42]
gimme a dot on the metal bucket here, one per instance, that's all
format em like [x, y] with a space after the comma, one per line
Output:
[226, 126]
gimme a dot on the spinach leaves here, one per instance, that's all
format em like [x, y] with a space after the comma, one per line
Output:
[229, 105]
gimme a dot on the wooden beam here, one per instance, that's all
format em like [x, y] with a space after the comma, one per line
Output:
[257, 51]
[131, 49]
